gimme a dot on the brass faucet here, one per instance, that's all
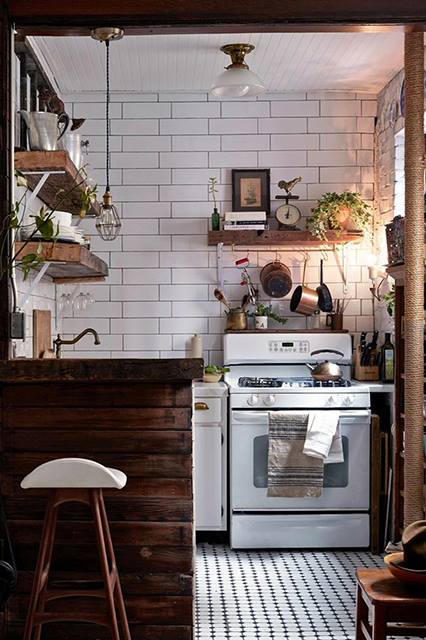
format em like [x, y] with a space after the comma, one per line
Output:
[59, 341]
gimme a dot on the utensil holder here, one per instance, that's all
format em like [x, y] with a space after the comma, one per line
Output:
[362, 372]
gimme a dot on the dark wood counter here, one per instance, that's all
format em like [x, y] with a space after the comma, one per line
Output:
[138, 421]
[28, 370]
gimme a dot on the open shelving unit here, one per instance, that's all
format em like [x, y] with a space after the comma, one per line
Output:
[281, 238]
[49, 171]
[66, 262]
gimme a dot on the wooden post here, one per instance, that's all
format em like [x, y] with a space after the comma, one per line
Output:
[414, 276]
[5, 169]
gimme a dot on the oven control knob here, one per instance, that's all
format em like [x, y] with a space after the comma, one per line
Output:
[253, 400]
[348, 401]
[330, 402]
[270, 400]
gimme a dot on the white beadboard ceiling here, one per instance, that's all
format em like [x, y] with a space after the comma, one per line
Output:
[284, 61]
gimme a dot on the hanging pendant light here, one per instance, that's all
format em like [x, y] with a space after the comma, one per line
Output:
[108, 222]
[237, 80]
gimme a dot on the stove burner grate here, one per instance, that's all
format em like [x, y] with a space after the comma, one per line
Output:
[296, 383]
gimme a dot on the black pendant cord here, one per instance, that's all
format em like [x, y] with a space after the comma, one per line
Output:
[107, 116]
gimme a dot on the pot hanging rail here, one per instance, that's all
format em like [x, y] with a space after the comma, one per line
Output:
[108, 223]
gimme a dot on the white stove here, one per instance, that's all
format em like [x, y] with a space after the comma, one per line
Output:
[268, 372]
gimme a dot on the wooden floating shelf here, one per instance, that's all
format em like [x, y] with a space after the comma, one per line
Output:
[281, 238]
[67, 262]
[66, 176]
[397, 271]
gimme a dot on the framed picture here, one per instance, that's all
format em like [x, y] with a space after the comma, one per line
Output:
[251, 190]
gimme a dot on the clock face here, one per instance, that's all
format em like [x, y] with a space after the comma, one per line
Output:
[288, 215]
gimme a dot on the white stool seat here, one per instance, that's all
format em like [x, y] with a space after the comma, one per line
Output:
[73, 473]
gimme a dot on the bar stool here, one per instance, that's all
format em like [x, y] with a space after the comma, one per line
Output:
[76, 480]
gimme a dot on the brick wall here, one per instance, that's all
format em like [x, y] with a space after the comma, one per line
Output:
[164, 149]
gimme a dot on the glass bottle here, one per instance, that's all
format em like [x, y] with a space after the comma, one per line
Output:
[215, 220]
[387, 359]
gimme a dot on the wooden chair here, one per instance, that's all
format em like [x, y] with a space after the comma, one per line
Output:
[76, 480]
[387, 602]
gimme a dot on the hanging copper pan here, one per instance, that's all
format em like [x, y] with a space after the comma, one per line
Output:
[275, 278]
[304, 299]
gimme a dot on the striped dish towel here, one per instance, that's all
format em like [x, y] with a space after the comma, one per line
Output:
[291, 473]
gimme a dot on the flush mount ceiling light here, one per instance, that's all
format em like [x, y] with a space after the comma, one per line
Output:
[237, 80]
[108, 223]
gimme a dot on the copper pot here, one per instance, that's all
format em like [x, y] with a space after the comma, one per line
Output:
[304, 299]
[275, 278]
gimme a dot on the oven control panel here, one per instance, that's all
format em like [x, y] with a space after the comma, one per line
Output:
[290, 346]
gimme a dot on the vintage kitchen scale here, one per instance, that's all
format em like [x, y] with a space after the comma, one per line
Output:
[288, 215]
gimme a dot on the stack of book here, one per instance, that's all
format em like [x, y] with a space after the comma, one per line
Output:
[245, 221]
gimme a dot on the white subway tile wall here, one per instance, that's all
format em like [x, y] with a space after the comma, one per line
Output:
[164, 149]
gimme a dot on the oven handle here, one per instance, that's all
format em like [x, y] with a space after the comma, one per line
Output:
[252, 417]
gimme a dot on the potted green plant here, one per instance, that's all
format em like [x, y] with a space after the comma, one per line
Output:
[213, 373]
[261, 314]
[339, 212]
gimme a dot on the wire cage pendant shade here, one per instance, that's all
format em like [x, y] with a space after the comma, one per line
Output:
[108, 222]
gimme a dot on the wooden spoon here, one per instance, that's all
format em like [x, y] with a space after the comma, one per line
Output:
[219, 295]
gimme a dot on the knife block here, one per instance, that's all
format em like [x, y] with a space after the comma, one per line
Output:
[370, 372]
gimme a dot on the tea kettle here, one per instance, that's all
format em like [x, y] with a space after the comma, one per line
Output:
[44, 129]
[325, 371]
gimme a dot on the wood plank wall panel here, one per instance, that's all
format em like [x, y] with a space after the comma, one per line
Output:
[143, 429]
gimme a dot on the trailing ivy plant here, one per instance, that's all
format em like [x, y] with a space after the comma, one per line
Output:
[42, 224]
[326, 213]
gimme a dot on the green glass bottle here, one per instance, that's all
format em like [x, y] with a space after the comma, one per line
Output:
[215, 220]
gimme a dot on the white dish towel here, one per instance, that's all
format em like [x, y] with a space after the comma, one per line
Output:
[323, 437]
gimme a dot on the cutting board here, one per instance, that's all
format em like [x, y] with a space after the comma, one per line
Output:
[42, 332]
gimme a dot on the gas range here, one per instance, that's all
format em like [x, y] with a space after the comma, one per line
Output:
[268, 372]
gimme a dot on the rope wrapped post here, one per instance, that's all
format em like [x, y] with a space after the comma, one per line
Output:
[414, 277]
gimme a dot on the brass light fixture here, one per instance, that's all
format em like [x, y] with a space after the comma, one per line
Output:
[237, 80]
[108, 223]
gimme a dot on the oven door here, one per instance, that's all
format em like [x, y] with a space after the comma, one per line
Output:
[346, 484]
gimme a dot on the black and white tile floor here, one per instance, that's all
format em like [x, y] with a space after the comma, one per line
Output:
[271, 595]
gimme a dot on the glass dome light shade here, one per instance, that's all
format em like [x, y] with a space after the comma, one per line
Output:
[237, 82]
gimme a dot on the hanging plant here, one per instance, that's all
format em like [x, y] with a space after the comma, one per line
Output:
[339, 212]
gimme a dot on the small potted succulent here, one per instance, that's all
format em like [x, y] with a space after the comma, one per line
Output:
[338, 212]
[261, 314]
[213, 373]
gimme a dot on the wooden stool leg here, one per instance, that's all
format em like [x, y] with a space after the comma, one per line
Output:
[95, 499]
[379, 624]
[42, 567]
[46, 572]
[119, 594]
[361, 614]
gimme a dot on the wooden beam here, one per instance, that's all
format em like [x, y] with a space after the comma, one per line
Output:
[414, 277]
[5, 178]
[218, 14]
